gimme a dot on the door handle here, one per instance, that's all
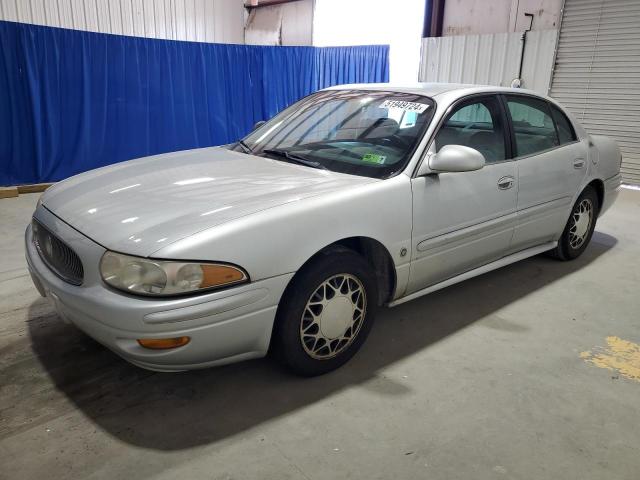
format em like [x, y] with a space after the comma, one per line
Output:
[578, 163]
[505, 183]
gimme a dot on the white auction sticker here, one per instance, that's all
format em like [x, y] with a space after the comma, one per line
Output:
[407, 106]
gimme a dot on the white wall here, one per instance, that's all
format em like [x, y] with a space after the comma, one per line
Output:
[462, 17]
[284, 24]
[490, 59]
[365, 22]
[297, 23]
[196, 20]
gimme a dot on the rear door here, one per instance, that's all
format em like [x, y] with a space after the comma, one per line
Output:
[464, 220]
[552, 164]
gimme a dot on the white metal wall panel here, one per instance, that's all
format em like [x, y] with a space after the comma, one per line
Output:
[282, 24]
[490, 59]
[195, 20]
[538, 60]
[297, 23]
[597, 72]
[264, 26]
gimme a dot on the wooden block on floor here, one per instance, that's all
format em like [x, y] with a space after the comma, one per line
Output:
[8, 192]
[34, 188]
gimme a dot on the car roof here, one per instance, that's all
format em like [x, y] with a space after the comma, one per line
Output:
[433, 89]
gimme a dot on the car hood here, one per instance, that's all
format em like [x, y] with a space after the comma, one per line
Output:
[140, 206]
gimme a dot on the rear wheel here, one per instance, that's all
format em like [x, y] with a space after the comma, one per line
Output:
[326, 314]
[580, 226]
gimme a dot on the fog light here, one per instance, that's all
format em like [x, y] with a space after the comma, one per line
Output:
[163, 343]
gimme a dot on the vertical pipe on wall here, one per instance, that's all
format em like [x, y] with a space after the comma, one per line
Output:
[524, 44]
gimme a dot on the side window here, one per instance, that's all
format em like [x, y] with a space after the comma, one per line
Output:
[532, 125]
[566, 133]
[477, 124]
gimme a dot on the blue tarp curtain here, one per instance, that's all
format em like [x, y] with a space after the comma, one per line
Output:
[71, 101]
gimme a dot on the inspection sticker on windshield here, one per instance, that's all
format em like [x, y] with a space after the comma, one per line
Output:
[406, 106]
[374, 158]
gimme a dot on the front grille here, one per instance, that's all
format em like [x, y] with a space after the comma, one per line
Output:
[58, 256]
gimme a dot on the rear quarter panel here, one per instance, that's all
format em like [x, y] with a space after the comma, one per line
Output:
[606, 159]
[605, 156]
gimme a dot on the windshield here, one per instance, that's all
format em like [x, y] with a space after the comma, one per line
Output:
[367, 133]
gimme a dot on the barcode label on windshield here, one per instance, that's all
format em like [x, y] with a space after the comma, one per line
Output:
[402, 105]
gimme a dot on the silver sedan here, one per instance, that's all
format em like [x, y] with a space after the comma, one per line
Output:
[355, 197]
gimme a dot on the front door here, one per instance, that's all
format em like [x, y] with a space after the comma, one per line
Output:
[464, 220]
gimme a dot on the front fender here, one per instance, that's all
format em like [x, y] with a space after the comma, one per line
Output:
[281, 239]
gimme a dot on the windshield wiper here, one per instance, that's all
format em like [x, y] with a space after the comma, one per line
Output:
[245, 147]
[292, 157]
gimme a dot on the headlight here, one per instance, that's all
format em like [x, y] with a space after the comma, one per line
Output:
[162, 277]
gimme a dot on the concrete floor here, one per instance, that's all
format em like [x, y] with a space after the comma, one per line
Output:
[483, 380]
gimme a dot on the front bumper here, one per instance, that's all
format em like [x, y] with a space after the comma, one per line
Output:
[224, 326]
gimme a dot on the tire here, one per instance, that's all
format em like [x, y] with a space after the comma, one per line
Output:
[577, 235]
[340, 285]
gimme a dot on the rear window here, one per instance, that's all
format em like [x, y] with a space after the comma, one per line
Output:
[566, 133]
[533, 125]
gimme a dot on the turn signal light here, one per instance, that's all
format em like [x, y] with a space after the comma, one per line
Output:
[213, 275]
[163, 343]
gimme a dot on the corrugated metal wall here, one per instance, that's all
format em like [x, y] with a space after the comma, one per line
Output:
[219, 21]
[597, 73]
[283, 24]
[491, 59]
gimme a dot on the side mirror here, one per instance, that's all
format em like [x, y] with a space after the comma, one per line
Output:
[455, 158]
[258, 124]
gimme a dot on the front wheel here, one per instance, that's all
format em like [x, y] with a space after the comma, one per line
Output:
[326, 313]
[580, 226]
